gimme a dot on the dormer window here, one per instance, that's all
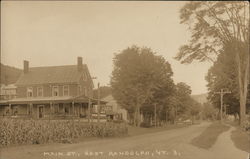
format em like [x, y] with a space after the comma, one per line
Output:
[39, 91]
[55, 91]
[29, 92]
[65, 90]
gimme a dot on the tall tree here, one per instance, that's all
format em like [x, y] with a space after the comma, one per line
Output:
[139, 76]
[215, 24]
[223, 75]
[183, 92]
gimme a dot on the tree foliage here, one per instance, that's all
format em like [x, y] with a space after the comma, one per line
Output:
[140, 78]
[214, 25]
[223, 75]
[209, 112]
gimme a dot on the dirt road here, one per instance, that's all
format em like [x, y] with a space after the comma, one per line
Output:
[171, 144]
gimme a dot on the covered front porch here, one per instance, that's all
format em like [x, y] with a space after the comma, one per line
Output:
[50, 108]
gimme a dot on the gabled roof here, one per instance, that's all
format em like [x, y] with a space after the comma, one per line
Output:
[52, 74]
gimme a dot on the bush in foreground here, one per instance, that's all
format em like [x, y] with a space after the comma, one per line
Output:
[17, 132]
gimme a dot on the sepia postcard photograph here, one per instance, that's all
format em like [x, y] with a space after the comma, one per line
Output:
[124, 80]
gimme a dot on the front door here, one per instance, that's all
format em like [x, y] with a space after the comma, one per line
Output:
[40, 111]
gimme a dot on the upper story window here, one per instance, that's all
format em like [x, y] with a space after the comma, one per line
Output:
[79, 90]
[65, 90]
[39, 91]
[29, 92]
[85, 91]
[55, 91]
[85, 76]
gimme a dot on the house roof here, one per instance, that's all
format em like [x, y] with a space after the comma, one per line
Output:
[108, 98]
[51, 74]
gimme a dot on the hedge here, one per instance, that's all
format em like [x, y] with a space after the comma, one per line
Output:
[18, 131]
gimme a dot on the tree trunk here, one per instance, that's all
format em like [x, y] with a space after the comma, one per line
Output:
[135, 117]
[138, 121]
[243, 78]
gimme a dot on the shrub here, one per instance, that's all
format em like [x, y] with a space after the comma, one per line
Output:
[17, 131]
[246, 125]
[145, 125]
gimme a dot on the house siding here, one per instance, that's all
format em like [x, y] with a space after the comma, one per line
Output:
[21, 92]
[47, 90]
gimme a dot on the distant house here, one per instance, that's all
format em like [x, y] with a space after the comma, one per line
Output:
[113, 110]
[52, 92]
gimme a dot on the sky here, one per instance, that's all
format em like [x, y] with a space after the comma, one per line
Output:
[55, 33]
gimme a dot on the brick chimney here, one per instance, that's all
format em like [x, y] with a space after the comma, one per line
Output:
[25, 66]
[79, 64]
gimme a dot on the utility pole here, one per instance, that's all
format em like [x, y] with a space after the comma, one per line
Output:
[222, 93]
[155, 114]
[98, 107]
[89, 107]
[90, 96]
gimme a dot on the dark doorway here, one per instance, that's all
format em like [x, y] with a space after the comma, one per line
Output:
[40, 111]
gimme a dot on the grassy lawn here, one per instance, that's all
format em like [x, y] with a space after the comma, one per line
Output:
[133, 131]
[209, 136]
[241, 139]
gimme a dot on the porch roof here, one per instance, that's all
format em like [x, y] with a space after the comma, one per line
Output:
[3, 102]
[39, 100]
[62, 99]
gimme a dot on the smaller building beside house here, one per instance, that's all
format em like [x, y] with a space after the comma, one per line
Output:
[113, 110]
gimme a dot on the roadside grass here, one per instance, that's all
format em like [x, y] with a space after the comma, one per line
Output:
[134, 131]
[240, 138]
[209, 136]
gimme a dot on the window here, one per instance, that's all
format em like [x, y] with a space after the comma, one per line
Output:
[55, 108]
[55, 91]
[29, 92]
[15, 110]
[65, 90]
[79, 90]
[39, 91]
[66, 110]
[84, 76]
[85, 91]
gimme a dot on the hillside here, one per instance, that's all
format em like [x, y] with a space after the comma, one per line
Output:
[9, 74]
[201, 98]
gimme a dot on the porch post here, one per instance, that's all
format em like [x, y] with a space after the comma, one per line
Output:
[10, 112]
[80, 109]
[98, 105]
[31, 109]
[89, 113]
[50, 110]
[73, 108]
